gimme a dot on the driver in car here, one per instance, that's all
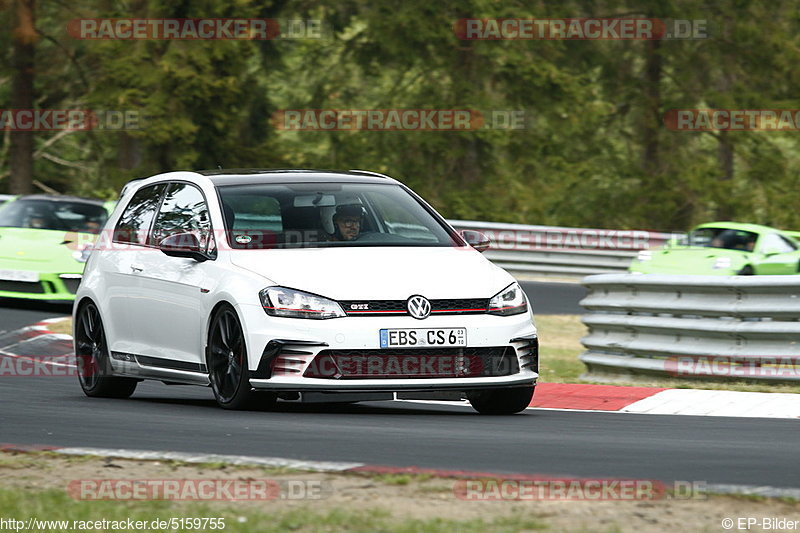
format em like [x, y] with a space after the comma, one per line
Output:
[347, 221]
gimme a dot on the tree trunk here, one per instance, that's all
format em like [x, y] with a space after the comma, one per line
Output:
[21, 148]
[651, 160]
[725, 154]
[468, 165]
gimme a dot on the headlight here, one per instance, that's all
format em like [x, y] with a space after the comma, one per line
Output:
[81, 255]
[644, 255]
[279, 301]
[509, 301]
[722, 262]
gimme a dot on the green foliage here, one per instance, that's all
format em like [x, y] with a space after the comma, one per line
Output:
[594, 152]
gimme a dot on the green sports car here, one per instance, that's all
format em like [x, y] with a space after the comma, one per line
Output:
[44, 244]
[724, 249]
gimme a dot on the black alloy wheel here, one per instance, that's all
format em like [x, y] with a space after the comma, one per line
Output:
[226, 357]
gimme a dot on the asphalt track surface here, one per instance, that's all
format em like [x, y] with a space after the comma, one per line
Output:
[53, 411]
[745, 451]
[15, 314]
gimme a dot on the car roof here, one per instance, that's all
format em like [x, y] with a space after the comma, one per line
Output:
[755, 228]
[61, 198]
[239, 176]
[247, 176]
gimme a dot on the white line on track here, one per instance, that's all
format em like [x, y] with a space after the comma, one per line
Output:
[279, 462]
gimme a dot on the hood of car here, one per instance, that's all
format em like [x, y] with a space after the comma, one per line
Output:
[378, 273]
[694, 260]
[37, 246]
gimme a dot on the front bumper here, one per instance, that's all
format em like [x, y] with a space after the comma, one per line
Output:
[293, 344]
[51, 287]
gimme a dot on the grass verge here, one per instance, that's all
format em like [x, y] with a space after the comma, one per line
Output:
[64, 513]
[36, 485]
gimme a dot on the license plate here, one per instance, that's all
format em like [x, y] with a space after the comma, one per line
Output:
[406, 338]
[19, 275]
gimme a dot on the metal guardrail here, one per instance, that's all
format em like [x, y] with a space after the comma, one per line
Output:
[563, 252]
[738, 327]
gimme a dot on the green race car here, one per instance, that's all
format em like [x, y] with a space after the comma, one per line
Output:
[724, 249]
[44, 244]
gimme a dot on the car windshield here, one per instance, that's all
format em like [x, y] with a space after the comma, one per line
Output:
[328, 214]
[53, 215]
[730, 239]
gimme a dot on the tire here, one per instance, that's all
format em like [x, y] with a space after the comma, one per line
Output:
[91, 353]
[747, 270]
[501, 401]
[226, 359]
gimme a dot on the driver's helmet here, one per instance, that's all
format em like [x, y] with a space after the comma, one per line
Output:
[350, 207]
[349, 210]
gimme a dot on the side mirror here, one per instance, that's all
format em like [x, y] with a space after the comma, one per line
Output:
[476, 239]
[183, 245]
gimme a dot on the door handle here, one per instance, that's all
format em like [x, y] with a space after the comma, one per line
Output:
[136, 268]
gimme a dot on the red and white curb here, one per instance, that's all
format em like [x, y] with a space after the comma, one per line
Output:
[36, 343]
[652, 400]
[355, 467]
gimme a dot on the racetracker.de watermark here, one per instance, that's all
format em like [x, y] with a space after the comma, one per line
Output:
[26, 367]
[69, 119]
[198, 489]
[732, 119]
[776, 367]
[522, 240]
[388, 366]
[399, 119]
[579, 29]
[255, 239]
[575, 238]
[181, 29]
[575, 489]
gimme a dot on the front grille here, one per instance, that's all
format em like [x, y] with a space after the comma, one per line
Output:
[414, 363]
[21, 286]
[464, 306]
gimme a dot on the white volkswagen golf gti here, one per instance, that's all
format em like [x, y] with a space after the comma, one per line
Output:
[300, 285]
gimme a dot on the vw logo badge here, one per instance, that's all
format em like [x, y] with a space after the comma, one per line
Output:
[419, 307]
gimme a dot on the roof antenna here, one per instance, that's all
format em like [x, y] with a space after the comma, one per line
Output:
[219, 166]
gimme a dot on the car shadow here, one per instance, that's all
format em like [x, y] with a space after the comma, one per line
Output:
[319, 408]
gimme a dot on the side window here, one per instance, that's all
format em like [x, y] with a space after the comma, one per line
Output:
[776, 243]
[134, 223]
[184, 210]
